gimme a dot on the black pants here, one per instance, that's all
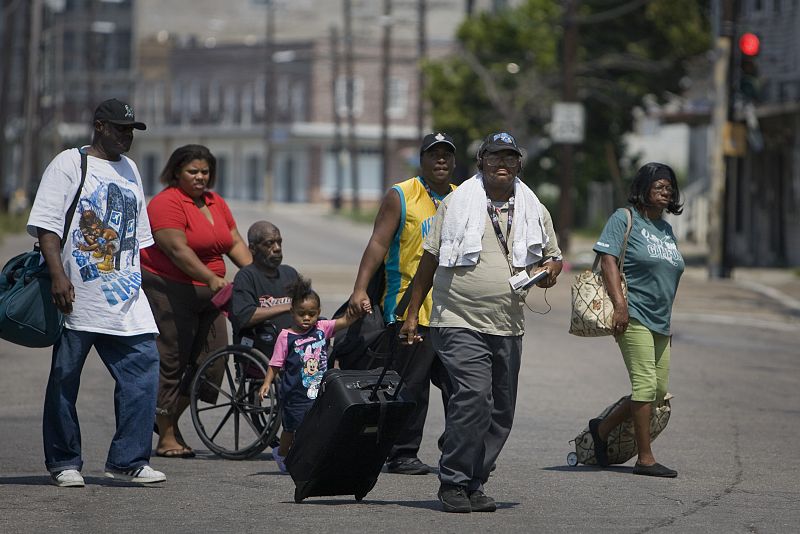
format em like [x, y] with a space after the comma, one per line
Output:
[418, 367]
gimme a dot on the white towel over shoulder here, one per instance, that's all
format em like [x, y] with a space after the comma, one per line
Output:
[465, 220]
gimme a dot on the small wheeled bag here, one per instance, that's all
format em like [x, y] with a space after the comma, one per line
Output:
[621, 444]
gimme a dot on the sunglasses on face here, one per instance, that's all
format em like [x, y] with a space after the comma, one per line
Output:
[498, 161]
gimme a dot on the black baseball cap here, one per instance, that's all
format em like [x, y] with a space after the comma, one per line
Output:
[434, 139]
[117, 112]
[499, 141]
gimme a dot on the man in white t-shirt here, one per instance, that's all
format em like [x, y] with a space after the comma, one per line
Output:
[96, 283]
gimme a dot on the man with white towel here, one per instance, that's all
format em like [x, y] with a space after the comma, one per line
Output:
[489, 239]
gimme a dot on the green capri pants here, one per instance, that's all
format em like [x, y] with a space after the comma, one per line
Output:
[646, 356]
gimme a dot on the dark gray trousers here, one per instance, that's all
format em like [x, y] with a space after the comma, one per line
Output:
[483, 371]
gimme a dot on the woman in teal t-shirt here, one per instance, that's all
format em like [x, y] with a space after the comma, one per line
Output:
[653, 268]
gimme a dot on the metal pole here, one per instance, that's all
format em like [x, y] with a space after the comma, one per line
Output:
[337, 120]
[31, 100]
[422, 52]
[386, 60]
[717, 165]
[9, 9]
[352, 143]
[565, 204]
[269, 102]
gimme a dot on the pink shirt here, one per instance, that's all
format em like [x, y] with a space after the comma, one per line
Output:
[281, 349]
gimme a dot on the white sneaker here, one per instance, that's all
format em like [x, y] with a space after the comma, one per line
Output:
[140, 475]
[68, 478]
[280, 460]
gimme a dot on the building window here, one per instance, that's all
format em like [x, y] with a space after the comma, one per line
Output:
[282, 97]
[195, 103]
[298, 102]
[222, 184]
[341, 96]
[260, 97]
[175, 101]
[254, 178]
[213, 98]
[398, 98]
[229, 113]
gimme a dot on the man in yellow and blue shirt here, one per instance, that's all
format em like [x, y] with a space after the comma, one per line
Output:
[403, 221]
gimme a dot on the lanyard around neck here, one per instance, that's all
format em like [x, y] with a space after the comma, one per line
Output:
[435, 200]
[494, 216]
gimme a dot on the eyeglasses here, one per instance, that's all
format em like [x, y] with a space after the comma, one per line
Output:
[505, 161]
[663, 189]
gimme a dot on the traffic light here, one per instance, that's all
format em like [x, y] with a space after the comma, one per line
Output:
[749, 84]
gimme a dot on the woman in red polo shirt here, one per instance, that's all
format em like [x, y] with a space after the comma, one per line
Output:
[193, 229]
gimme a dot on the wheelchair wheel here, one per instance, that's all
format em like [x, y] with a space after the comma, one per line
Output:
[237, 425]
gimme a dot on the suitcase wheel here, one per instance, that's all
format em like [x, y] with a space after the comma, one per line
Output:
[572, 459]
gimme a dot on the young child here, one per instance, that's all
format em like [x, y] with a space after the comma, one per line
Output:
[301, 352]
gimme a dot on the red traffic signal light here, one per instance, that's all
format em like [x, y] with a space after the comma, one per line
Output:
[749, 44]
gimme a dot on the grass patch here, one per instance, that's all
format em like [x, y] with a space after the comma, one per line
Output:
[13, 223]
[362, 216]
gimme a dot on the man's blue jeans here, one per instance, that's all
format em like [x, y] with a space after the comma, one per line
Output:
[133, 362]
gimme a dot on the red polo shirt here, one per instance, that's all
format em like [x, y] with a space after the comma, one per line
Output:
[173, 208]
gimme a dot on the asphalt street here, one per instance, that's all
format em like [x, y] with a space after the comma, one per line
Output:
[732, 436]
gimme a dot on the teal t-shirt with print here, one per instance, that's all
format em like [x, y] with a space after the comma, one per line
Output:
[653, 266]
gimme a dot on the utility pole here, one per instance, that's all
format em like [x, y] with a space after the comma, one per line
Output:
[568, 94]
[352, 145]
[91, 59]
[31, 101]
[269, 101]
[386, 60]
[717, 224]
[8, 9]
[337, 120]
[422, 52]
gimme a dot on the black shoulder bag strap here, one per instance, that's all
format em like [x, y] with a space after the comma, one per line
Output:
[74, 204]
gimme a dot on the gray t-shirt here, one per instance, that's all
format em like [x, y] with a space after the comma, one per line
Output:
[479, 297]
[653, 266]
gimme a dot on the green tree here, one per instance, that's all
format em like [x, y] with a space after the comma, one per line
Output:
[506, 73]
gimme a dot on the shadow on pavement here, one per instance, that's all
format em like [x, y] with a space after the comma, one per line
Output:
[434, 505]
[590, 469]
[38, 480]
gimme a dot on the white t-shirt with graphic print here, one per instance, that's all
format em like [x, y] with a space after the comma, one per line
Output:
[101, 253]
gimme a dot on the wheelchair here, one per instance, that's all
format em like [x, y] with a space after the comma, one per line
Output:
[238, 425]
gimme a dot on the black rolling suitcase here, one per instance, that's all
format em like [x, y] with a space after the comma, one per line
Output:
[345, 438]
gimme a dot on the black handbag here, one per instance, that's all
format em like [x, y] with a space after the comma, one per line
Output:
[28, 315]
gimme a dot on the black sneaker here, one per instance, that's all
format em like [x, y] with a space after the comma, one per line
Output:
[407, 466]
[480, 502]
[454, 499]
[655, 470]
[600, 446]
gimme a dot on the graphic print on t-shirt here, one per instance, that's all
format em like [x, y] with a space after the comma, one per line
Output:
[268, 301]
[311, 351]
[105, 243]
[664, 249]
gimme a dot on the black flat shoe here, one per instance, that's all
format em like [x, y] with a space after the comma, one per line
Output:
[655, 470]
[600, 446]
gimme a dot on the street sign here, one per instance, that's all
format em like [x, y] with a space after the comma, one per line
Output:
[568, 123]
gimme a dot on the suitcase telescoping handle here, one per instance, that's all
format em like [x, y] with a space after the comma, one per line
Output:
[394, 350]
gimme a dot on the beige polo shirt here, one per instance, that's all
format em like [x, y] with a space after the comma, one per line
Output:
[479, 296]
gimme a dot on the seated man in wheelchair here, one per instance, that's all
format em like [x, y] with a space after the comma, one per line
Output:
[259, 306]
